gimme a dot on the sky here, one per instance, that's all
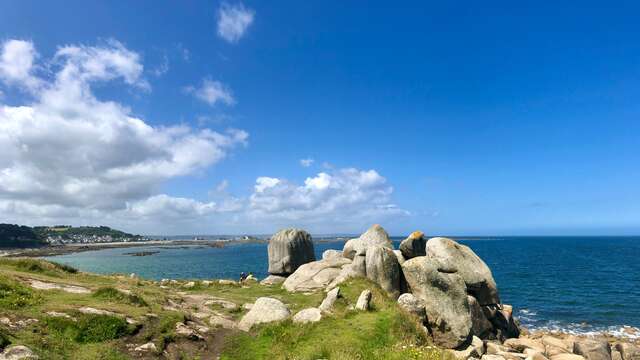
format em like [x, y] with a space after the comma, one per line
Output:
[206, 117]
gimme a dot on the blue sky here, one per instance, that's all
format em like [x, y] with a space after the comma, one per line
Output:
[498, 118]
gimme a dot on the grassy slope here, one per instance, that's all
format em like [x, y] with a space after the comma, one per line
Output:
[384, 333]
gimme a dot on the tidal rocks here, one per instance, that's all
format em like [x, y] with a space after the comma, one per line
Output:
[475, 273]
[308, 315]
[412, 305]
[414, 245]
[315, 275]
[521, 344]
[330, 299]
[363, 300]
[289, 249]
[264, 310]
[445, 298]
[592, 349]
[628, 351]
[382, 268]
[480, 325]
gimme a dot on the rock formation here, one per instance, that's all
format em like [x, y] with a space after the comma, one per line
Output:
[288, 250]
[414, 245]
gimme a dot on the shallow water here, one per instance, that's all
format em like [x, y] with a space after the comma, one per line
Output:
[577, 284]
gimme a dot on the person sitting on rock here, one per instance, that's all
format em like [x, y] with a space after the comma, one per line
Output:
[243, 276]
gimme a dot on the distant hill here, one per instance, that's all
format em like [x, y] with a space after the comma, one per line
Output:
[68, 232]
[16, 236]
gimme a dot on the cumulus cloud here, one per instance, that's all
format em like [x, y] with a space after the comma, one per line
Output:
[306, 162]
[16, 64]
[212, 92]
[346, 195]
[233, 21]
[68, 154]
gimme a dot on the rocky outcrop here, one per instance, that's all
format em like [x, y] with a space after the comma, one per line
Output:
[273, 280]
[331, 254]
[411, 304]
[414, 245]
[288, 250]
[592, 349]
[17, 352]
[315, 275]
[375, 235]
[308, 315]
[382, 268]
[628, 351]
[459, 258]
[445, 298]
[480, 325]
[264, 310]
[330, 299]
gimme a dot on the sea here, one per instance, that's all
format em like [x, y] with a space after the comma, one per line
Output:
[580, 285]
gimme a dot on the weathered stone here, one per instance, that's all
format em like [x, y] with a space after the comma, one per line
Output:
[264, 310]
[476, 274]
[331, 253]
[227, 282]
[567, 357]
[185, 331]
[616, 355]
[534, 354]
[189, 285]
[330, 299]
[493, 348]
[146, 347]
[480, 325]
[445, 298]
[510, 355]
[520, 344]
[363, 300]
[308, 315]
[555, 346]
[347, 272]
[401, 258]
[412, 305]
[414, 245]
[375, 235]
[288, 250]
[17, 352]
[383, 269]
[492, 357]
[273, 280]
[352, 247]
[503, 323]
[592, 349]
[221, 321]
[628, 351]
[315, 275]
[474, 351]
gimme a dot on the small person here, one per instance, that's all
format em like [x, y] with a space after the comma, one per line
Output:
[243, 276]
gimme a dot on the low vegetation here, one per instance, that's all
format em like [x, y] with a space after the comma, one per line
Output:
[51, 324]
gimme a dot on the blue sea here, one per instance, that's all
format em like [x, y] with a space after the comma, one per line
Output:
[571, 284]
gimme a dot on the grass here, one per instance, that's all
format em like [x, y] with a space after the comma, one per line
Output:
[14, 295]
[112, 294]
[89, 328]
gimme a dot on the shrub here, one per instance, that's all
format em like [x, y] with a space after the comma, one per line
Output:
[64, 267]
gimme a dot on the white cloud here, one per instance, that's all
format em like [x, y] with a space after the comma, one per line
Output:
[222, 186]
[162, 68]
[233, 21]
[68, 154]
[16, 64]
[306, 162]
[343, 196]
[212, 92]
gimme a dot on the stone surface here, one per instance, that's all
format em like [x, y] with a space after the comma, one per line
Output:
[74, 289]
[331, 253]
[185, 331]
[412, 305]
[616, 355]
[555, 346]
[566, 356]
[399, 256]
[273, 280]
[628, 351]
[222, 321]
[445, 298]
[17, 352]
[147, 347]
[363, 300]
[492, 357]
[308, 315]
[330, 299]
[592, 349]
[493, 348]
[382, 268]
[289, 249]
[315, 275]
[476, 274]
[264, 310]
[375, 235]
[479, 323]
[414, 245]
[520, 344]
[94, 311]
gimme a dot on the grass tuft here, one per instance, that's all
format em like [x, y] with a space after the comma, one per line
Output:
[89, 328]
[114, 295]
[14, 295]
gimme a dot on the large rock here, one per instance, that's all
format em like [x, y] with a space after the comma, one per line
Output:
[264, 310]
[445, 298]
[592, 349]
[400, 257]
[288, 250]
[382, 268]
[414, 245]
[331, 253]
[330, 299]
[521, 344]
[375, 235]
[363, 300]
[504, 324]
[308, 315]
[628, 351]
[273, 280]
[315, 275]
[412, 305]
[480, 325]
[17, 352]
[476, 274]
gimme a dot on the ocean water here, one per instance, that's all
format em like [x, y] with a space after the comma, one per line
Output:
[571, 284]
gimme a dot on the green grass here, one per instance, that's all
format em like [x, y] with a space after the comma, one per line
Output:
[112, 294]
[385, 332]
[89, 328]
[14, 295]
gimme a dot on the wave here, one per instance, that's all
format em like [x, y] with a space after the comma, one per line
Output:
[529, 320]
